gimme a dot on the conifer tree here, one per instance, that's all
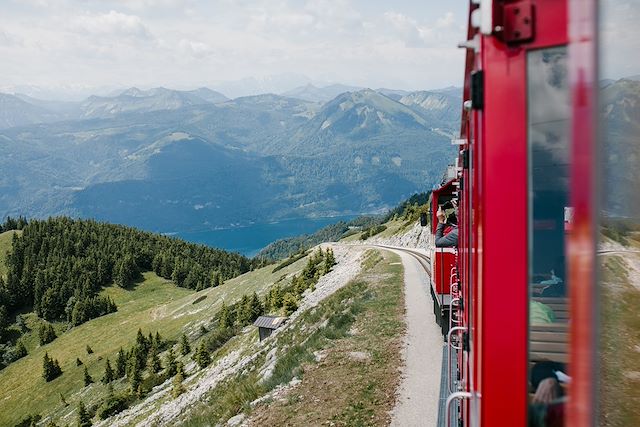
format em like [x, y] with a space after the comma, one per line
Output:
[78, 361]
[46, 333]
[4, 316]
[21, 350]
[178, 388]
[215, 279]
[243, 311]
[180, 370]
[185, 348]
[275, 298]
[154, 363]
[63, 400]
[329, 261]
[121, 364]
[142, 341]
[225, 318]
[171, 363]
[108, 373]
[50, 368]
[255, 307]
[84, 420]
[87, 378]
[202, 356]
[289, 304]
[89, 350]
[135, 379]
[158, 341]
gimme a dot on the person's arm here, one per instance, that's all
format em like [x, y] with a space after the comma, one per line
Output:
[447, 241]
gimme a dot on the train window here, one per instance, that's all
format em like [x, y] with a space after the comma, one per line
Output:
[549, 222]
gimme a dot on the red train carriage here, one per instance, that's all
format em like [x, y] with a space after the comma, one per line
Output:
[443, 259]
[523, 286]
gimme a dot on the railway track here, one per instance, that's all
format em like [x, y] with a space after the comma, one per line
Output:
[423, 259]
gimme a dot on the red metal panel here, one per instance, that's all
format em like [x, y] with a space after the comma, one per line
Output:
[443, 261]
[503, 199]
[582, 240]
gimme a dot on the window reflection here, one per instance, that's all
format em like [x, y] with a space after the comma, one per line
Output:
[549, 222]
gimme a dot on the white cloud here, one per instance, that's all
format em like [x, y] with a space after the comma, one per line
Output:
[112, 23]
[198, 42]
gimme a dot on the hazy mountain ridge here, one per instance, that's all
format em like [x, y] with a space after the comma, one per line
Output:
[620, 103]
[175, 162]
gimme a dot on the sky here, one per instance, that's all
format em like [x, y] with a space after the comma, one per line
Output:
[94, 46]
[191, 43]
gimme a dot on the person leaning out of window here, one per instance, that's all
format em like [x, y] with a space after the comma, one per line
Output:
[447, 231]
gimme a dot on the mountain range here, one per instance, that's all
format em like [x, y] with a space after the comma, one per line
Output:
[620, 162]
[168, 160]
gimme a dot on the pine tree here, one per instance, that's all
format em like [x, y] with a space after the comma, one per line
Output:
[78, 361]
[329, 261]
[243, 311]
[142, 341]
[50, 368]
[135, 379]
[158, 340]
[4, 316]
[171, 363]
[215, 279]
[154, 363]
[108, 373]
[63, 400]
[255, 307]
[84, 420]
[180, 370]
[46, 333]
[87, 378]
[89, 350]
[225, 318]
[21, 350]
[202, 356]
[275, 298]
[121, 364]
[178, 388]
[185, 348]
[290, 303]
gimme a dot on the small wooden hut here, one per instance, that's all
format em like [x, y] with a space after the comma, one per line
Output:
[267, 324]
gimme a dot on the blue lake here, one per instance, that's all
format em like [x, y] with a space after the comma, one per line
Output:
[250, 239]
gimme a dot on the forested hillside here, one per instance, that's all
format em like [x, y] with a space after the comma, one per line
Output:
[58, 266]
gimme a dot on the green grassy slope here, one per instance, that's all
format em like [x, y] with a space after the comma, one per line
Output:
[5, 245]
[363, 318]
[153, 305]
[618, 352]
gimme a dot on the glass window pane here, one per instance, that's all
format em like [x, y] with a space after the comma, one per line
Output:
[549, 223]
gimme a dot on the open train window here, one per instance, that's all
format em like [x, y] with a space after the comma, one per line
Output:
[549, 222]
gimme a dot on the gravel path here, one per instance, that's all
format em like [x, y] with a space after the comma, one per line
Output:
[419, 392]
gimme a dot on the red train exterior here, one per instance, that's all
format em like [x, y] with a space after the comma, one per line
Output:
[511, 209]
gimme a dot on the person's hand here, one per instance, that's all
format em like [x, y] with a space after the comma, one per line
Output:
[547, 391]
[441, 216]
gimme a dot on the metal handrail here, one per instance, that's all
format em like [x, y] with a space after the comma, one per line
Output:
[451, 398]
[453, 313]
[449, 347]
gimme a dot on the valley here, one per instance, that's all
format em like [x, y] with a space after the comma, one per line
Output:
[192, 161]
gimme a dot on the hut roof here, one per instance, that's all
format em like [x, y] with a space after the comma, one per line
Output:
[270, 322]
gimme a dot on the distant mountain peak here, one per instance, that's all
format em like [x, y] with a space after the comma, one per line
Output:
[132, 91]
